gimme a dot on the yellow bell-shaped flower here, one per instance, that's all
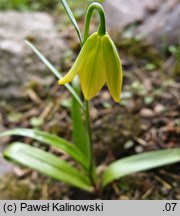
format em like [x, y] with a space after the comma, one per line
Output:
[98, 63]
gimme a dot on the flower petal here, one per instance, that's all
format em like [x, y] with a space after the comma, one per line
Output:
[113, 68]
[92, 74]
[83, 55]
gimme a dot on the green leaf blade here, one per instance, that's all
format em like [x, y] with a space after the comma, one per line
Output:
[54, 71]
[46, 163]
[80, 134]
[140, 162]
[71, 17]
[52, 140]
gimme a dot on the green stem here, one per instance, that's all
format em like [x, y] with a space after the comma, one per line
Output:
[102, 24]
[92, 174]
[101, 31]
[88, 122]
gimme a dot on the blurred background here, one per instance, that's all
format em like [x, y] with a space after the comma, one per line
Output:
[147, 35]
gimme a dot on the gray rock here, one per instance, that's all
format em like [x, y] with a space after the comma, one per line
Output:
[164, 25]
[5, 167]
[155, 20]
[122, 13]
[18, 63]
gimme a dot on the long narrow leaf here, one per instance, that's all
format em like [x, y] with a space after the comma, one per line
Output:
[46, 163]
[55, 72]
[52, 140]
[140, 162]
[73, 20]
[80, 135]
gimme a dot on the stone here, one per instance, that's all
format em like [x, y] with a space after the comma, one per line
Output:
[18, 62]
[5, 166]
[147, 113]
[163, 26]
[122, 13]
[156, 21]
[159, 108]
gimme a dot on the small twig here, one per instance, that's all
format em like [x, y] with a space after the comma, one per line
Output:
[147, 193]
[163, 182]
[170, 174]
[46, 111]
[34, 97]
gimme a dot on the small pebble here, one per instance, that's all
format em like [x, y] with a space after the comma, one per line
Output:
[147, 113]
[124, 197]
[159, 108]
[139, 149]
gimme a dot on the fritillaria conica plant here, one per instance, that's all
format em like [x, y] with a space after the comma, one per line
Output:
[98, 63]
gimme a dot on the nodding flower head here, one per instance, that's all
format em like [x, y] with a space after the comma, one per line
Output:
[98, 63]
